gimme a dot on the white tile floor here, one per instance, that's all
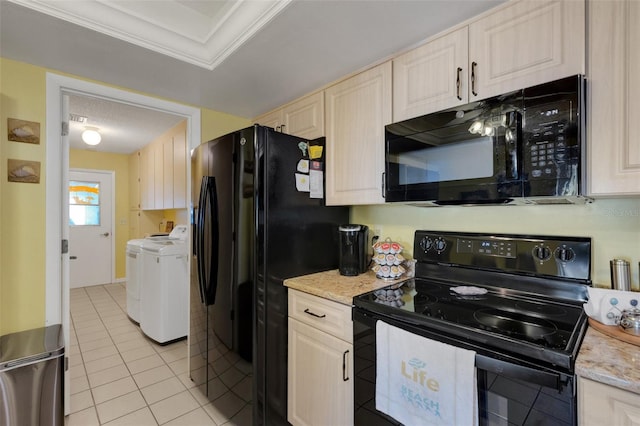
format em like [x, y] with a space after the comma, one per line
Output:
[119, 377]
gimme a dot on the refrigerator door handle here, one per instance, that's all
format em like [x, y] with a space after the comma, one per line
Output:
[211, 202]
[199, 238]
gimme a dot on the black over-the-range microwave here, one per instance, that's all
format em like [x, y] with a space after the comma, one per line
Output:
[523, 147]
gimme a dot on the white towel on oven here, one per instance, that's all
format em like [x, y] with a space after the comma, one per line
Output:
[424, 382]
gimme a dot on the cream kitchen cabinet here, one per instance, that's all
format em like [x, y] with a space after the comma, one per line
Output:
[180, 167]
[320, 361]
[613, 102]
[174, 171]
[600, 404]
[134, 181]
[271, 119]
[147, 178]
[528, 42]
[158, 175]
[431, 77]
[520, 44]
[163, 171]
[357, 110]
[303, 117]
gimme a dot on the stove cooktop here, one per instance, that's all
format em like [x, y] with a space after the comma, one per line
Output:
[502, 319]
[543, 323]
[535, 287]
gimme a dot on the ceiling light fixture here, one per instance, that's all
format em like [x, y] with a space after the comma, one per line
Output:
[90, 136]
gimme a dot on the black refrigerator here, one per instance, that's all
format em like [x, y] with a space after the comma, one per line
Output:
[259, 217]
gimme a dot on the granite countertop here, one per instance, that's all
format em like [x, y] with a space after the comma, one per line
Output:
[610, 361]
[333, 286]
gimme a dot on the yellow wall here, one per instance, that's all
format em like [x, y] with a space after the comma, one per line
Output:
[22, 216]
[215, 124]
[613, 225]
[22, 206]
[119, 163]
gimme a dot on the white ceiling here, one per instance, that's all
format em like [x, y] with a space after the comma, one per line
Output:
[239, 57]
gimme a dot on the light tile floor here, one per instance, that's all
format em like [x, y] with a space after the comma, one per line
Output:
[120, 377]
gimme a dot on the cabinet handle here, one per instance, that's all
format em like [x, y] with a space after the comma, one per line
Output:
[345, 358]
[282, 128]
[307, 311]
[458, 84]
[473, 78]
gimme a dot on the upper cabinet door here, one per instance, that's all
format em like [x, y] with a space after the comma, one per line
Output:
[613, 94]
[357, 111]
[134, 181]
[271, 119]
[524, 44]
[180, 167]
[431, 77]
[305, 117]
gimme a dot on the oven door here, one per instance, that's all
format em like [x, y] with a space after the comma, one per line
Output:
[467, 154]
[510, 392]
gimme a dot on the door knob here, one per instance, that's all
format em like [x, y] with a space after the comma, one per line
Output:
[106, 234]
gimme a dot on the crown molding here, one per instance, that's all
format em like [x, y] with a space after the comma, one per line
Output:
[168, 26]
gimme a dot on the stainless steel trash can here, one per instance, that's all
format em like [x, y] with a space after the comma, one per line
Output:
[32, 377]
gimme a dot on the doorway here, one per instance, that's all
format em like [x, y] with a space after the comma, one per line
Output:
[57, 175]
[91, 232]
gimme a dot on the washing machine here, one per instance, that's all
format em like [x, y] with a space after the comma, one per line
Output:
[134, 275]
[164, 288]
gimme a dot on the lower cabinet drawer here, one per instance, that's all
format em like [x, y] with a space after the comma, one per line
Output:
[325, 315]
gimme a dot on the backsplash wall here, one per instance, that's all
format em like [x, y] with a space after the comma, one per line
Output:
[613, 225]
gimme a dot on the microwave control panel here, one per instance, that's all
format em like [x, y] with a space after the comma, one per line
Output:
[551, 149]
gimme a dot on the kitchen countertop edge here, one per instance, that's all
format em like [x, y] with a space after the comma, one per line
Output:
[610, 361]
[338, 288]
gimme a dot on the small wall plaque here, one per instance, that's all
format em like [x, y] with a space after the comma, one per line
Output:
[23, 131]
[23, 171]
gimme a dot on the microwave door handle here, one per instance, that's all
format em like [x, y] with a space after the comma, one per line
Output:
[513, 146]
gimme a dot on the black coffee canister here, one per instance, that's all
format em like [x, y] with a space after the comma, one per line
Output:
[353, 244]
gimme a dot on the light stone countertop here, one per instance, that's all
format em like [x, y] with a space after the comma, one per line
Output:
[333, 286]
[610, 361]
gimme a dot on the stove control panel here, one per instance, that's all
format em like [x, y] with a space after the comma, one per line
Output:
[565, 257]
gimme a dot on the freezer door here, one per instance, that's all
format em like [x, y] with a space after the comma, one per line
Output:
[219, 238]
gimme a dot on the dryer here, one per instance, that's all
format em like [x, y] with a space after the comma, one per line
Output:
[164, 289]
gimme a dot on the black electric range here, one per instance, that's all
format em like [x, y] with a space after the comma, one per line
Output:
[516, 300]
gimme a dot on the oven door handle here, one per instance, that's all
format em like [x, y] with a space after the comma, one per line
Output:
[515, 371]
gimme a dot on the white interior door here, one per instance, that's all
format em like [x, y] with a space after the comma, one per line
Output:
[91, 242]
[64, 256]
